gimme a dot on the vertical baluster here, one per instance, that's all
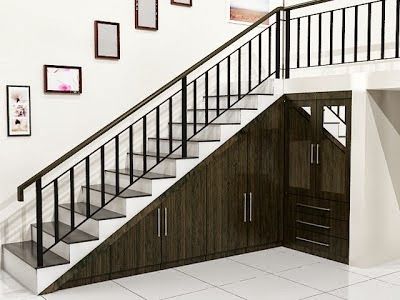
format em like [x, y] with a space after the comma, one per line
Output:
[287, 54]
[56, 217]
[319, 38]
[144, 144]
[278, 45]
[229, 81]
[343, 34]
[331, 39]
[184, 117]
[397, 27]
[259, 57]
[87, 167]
[356, 33]
[269, 52]
[103, 174]
[218, 89]
[369, 33]
[130, 154]
[309, 41]
[250, 71]
[158, 134]
[383, 29]
[39, 223]
[194, 106]
[72, 196]
[298, 42]
[170, 127]
[206, 99]
[117, 164]
[239, 72]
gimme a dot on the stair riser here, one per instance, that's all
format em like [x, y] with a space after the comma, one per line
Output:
[118, 205]
[143, 185]
[192, 147]
[212, 132]
[90, 226]
[230, 116]
[61, 249]
[167, 166]
[249, 102]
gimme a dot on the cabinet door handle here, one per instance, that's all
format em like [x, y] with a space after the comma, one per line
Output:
[313, 224]
[312, 154]
[245, 207]
[159, 222]
[166, 221]
[313, 207]
[317, 154]
[251, 207]
[312, 242]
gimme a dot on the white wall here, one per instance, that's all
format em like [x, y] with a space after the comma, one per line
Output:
[41, 32]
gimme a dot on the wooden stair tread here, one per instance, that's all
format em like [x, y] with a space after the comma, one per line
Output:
[139, 173]
[76, 236]
[163, 155]
[111, 190]
[102, 214]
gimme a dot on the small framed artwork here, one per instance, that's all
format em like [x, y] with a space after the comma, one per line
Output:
[146, 14]
[18, 110]
[247, 11]
[62, 79]
[182, 2]
[107, 40]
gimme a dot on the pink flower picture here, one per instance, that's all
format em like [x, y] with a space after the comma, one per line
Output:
[65, 80]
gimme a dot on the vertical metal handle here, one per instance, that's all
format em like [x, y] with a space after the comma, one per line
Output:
[317, 154]
[312, 154]
[245, 207]
[251, 207]
[166, 221]
[159, 222]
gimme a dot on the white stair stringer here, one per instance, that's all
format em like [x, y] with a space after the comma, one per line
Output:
[37, 280]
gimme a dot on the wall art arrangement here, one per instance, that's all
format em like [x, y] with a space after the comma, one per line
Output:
[247, 11]
[146, 12]
[107, 40]
[18, 110]
[62, 79]
[182, 2]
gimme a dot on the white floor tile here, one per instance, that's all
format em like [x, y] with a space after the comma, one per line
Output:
[10, 285]
[162, 284]
[220, 271]
[391, 278]
[323, 277]
[323, 297]
[99, 291]
[369, 290]
[270, 287]
[211, 294]
[276, 261]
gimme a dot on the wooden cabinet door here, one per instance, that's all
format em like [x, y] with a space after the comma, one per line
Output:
[139, 247]
[300, 146]
[184, 219]
[265, 174]
[226, 187]
[333, 149]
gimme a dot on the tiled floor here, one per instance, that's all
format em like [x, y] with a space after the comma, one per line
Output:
[276, 274]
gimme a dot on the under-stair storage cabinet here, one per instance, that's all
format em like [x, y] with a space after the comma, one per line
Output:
[317, 173]
[245, 188]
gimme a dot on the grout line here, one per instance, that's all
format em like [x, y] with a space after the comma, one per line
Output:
[124, 287]
[343, 287]
[184, 294]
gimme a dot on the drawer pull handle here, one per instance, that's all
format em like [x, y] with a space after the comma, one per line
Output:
[312, 242]
[313, 207]
[313, 224]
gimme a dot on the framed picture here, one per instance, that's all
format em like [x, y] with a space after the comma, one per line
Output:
[107, 40]
[146, 14]
[18, 110]
[247, 11]
[62, 79]
[182, 2]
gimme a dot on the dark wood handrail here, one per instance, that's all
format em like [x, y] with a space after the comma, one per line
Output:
[69, 154]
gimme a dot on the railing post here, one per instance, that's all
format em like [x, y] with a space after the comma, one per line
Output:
[39, 223]
[278, 45]
[184, 117]
[287, 46]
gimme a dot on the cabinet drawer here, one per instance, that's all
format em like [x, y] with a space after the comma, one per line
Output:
[317, 207]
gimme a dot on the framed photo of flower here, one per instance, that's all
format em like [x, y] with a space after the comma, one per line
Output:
[182, 2]
[107, 40]
[146, 14]
[18, 110]
[62, 79]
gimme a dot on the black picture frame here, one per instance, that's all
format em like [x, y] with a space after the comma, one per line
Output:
[97, 40]
[137, 18]
[9, 117]
[190, 4]
[48, 90]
